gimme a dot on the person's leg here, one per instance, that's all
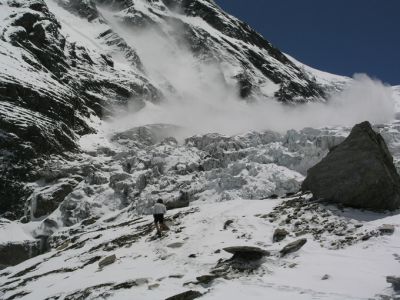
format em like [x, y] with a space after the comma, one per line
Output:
[157, 222]
[163, 225]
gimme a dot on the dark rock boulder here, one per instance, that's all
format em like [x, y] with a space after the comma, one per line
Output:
[245, 258]
[386, 229]
[206, 279]
[279, 235]
[358, 172]
[107, 261]
[188, 295]
[247, 252]
[293, 247]
[181, 201]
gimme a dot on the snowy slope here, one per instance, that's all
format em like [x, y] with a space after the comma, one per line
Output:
[157, 269]
[331, 82]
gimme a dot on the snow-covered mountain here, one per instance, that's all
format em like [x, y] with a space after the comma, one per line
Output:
[100, 107]
[64, 63]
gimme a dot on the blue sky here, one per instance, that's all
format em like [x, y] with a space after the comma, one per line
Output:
[339, 36]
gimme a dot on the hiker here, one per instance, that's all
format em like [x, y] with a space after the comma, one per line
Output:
[159, 209]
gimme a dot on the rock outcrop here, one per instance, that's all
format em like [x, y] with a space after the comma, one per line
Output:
[14, 253]
[359, 173]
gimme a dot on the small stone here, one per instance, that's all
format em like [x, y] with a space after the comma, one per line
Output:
[153, 286]
[206, 279]
[107, 261]
[325, 277]
[386, 229]
[227, 224]
[192, 256]
[293, 247]
[63, 245]
[279, 235]
[175, 245]
[179, 276]
[141, 281]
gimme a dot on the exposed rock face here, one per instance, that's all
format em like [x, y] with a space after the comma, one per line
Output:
[359, 173]
[49, 87]
[48, 198]
[12, 254]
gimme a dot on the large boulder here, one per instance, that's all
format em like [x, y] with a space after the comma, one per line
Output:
[247, 252]
[358, 172]
[245, 258]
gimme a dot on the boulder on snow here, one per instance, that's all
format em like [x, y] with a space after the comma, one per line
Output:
[386, 229]
[246, 253]
[206, 279]
[279, 235]
[358, 172]
[179, 202]
[244, 258]
[107, 261]
[188, 295]
[293, 247]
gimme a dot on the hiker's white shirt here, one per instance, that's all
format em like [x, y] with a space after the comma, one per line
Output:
[159, 209]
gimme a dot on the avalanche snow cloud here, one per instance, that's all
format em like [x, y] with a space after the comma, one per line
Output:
[217, 109]
[201, 97]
